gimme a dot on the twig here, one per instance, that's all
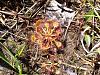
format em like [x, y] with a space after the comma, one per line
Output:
[67, 29]
[37, 50]
[97, 45]
[69, 24]
[14, 14]
[89, 62]
[36, 12]
[8, 13]
[18, 36]
[81, 68]
[30, 8]
[4, 34]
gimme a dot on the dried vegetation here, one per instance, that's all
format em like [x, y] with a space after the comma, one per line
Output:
[37, 40]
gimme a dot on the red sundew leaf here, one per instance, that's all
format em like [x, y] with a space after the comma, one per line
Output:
[38, 22]
[33, 38]
[58, 44]
[38, 36]
[46, 44]
[44, 47]
[55, 24]
[58, 30]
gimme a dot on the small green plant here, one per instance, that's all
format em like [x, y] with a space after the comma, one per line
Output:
[12, 60]
[91, 28]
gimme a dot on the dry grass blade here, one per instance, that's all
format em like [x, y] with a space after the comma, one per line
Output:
[82, 37]
[8, 13]
[97, 45]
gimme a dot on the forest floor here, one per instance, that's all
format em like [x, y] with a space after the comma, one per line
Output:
[37, 39]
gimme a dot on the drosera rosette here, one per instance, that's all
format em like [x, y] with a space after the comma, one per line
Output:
[47, 33]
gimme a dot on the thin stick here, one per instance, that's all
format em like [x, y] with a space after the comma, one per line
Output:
[97, 45]
[30, 8]
[77, 67]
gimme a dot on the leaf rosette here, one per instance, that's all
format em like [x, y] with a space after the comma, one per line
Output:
[47, 34]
